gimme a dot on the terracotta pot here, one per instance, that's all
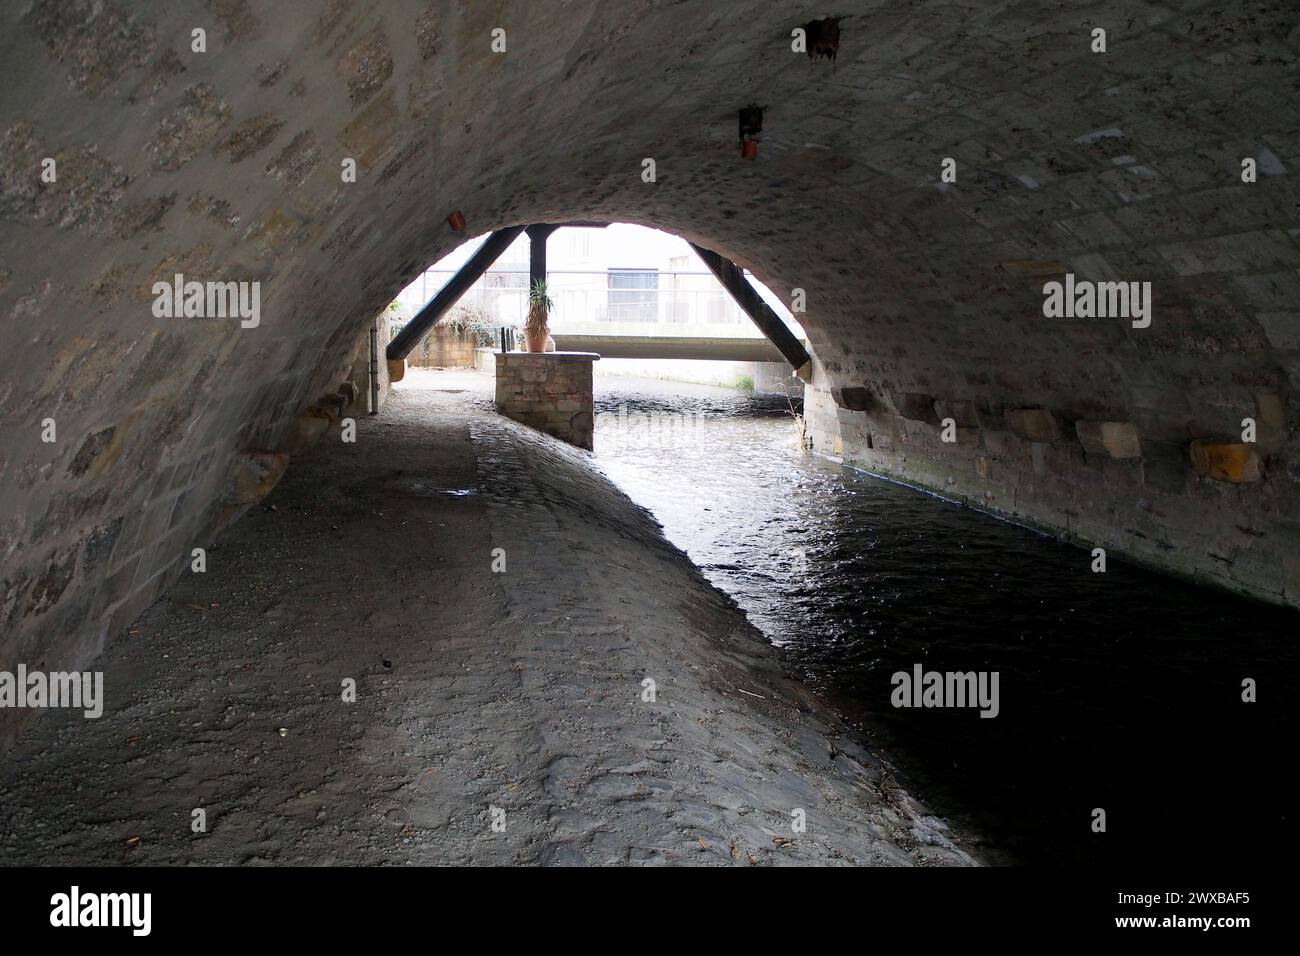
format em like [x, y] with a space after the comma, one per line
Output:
[456, 220]
[748, 149]
[535, 339]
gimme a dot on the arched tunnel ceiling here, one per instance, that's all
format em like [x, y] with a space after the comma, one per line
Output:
[226, 165]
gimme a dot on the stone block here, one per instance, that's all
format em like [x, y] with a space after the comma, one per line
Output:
[326, 410]
[854, 398]
[960, 411]
[1236, 462]
[333, 403]
[253, 476]
[1270, 421]
[915, 406]
[306, 430]
[1034, 424]
[1113, 439]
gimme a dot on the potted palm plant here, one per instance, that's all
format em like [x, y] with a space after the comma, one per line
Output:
[536, 326]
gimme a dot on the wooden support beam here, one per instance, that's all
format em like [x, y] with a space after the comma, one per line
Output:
[450, 293]
[768, 322]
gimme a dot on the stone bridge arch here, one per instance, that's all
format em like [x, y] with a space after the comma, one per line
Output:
[924, 297]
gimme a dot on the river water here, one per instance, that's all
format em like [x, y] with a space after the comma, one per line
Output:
[1120, 691]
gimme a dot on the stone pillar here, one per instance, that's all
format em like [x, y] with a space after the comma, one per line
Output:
[549, 391]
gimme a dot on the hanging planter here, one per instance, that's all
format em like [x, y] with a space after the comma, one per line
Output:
[823, 38]
[456, 220]
[751, 124]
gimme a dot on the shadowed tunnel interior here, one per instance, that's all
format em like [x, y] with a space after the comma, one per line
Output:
[921, 189]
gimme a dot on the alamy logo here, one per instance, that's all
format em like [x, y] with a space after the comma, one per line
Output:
[208, 300]
[652, 429]
[923, 688]
[1084, 299]
[103, 909]
[78, 690]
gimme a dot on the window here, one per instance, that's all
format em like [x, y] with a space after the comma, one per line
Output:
[677, 301]
[579, 241]
[633, 295]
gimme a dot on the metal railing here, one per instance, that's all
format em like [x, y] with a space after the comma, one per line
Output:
[685, 303]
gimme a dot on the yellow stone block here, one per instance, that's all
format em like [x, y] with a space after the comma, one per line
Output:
[1226, 461]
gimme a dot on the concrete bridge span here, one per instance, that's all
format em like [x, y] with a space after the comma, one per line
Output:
[671, 347]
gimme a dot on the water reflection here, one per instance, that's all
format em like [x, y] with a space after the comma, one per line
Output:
[1119, 690]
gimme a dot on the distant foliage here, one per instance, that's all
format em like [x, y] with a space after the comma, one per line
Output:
[473, 320]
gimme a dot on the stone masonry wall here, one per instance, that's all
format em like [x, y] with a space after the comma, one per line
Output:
[444, 347]
[549, 391]
[1109, 484]
[316, 149]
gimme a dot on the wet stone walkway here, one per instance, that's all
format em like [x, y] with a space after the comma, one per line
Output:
[500, 717]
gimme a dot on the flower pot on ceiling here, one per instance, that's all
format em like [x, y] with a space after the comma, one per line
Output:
[456, 220]
[749, 149]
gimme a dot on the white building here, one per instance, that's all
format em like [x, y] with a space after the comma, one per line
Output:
[621, 279]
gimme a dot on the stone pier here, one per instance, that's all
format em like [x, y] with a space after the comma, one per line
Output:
[549, 391]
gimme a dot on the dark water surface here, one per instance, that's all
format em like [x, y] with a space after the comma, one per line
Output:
[1119, 690]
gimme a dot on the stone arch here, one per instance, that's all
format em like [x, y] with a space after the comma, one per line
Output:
[226, 165]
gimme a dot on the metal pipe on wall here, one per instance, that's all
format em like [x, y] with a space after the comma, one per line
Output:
[374, 368]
